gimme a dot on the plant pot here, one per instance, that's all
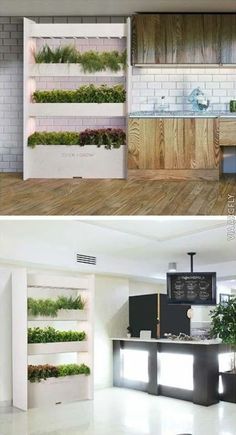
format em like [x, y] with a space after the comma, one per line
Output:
[53, 391]
[229, 386]
[63, 315]
[69, 161]
[61, 347]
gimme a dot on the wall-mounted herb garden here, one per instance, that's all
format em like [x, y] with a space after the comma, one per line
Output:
[110, 138]
[90, 61]
[84, 94]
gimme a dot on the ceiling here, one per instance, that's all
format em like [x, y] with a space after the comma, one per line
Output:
[110, 7]
[140, 248]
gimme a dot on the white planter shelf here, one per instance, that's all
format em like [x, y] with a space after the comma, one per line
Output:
[69, 161]
[69, 70]
[72, 30]
[61, 347]
[62, 315]
[58, 390]
[77, 109]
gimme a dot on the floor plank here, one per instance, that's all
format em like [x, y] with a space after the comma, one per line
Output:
[113, 197]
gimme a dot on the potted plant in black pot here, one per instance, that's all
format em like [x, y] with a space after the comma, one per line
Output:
[223, 325]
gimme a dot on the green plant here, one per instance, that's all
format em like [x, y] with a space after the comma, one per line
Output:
[110, 137]
[223, 324]
[49, 307]
[39, 372]
[42, 307]
[51, 335]
[85, 94]
[73, 369]
[91, 61]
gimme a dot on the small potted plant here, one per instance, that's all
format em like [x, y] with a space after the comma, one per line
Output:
[223, 325]
[129, 331]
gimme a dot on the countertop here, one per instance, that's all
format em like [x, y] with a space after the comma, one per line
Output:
[182, 114]
[164, 340]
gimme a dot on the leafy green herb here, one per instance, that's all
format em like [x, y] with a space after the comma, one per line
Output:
[51, 335]
[49, 307]
[91, 61]
[85, 94]
[110, 137]
[39, 372]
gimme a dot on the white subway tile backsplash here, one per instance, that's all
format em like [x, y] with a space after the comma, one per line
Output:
[219, 85]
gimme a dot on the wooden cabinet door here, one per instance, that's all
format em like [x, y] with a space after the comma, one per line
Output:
[176, 39]
[156, 39]
[201, 39]
[201, 141]
[227, 132]
[148, 39]
[173, 143]
[228, 38]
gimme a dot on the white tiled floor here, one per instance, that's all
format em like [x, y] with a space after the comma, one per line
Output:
[119, 411]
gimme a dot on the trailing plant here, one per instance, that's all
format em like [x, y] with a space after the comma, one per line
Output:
[50, 307]
[223, 324]
[39, 372]
[91, 61]
[51, 335]
[110, 137]
[84, 94]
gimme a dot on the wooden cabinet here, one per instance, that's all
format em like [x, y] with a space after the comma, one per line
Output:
[173, 144]
[183, 39]
[227, 132]
[228, 39]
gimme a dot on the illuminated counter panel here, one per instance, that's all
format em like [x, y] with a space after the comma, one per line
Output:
[182, 370]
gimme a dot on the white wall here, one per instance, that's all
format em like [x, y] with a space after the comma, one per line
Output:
[111, 320]
[5, 336]
[145, 288]
[149, 84]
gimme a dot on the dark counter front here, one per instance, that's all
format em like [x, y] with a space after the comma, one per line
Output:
[187, 371]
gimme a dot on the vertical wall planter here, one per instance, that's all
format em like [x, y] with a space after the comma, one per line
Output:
[60, 163]
[54, 391]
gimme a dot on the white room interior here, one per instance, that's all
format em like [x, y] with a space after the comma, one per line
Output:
[132, 259]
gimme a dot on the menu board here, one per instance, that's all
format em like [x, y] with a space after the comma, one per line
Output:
[194, 288]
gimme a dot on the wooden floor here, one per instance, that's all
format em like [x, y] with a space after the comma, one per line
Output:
[113, 197]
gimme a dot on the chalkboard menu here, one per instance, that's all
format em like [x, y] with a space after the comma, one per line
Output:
[192, 288]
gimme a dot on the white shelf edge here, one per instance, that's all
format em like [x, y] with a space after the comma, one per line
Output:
[77, 109]
[57, 347]
[63, 315]
[72, 30]
[70, 70]
[57, 282]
